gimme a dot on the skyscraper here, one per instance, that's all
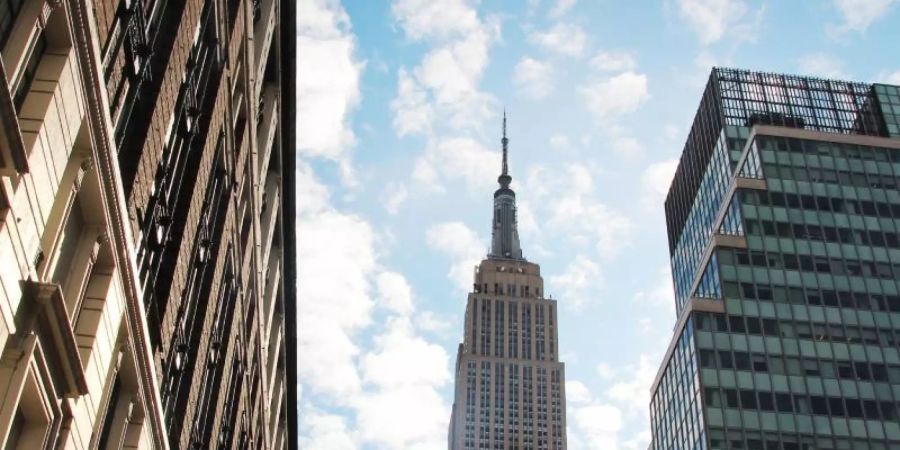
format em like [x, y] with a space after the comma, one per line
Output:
[146, 224]
[785, 249]
[510, 391]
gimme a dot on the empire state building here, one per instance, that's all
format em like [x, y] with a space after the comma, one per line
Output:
[510, 390]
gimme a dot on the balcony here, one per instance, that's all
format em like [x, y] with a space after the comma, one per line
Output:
[263, 32]
[267, 126]
[269, 218]
[273, 280]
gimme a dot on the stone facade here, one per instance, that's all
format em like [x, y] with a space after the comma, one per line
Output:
[146, 224]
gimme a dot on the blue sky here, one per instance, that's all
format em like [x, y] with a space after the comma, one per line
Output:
[398, 154]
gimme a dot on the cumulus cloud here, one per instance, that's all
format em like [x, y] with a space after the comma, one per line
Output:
[445, 84]
[628, 148]
[577, 393]
[660, 294]
[456, 158]
[615, 96]
[562, 7]
[391, 391]
[559, 142]
[599, 426]
[330, 82]
[634, 391]
[710, 19]
[394, 197]
[428, 19]
[655, 182]
[563, 38]
[465, 248]
[578, 281]
[614, 61]
[413, 112]
[822, 65]
[534, 78]
[889, 78]
[334, 308]
[858, 15]
[324, 432]
[566, 193]
[394, 293]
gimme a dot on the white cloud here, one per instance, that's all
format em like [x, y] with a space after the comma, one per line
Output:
[427, 19]
[569, 205]
[659, 294]
[858, 15]
[605, 371]
[615, 96]
[533, 77]
[710, 19]
[889, 78]
[580, 279]
[655, 182]
[562, 7]
[462, 245]
[634, 391]
[412, 111]
[333, 309]
[577, 393]
[614, 61]
[628, 148]
[394, 293]
[330, 83]
[822, 65]
[443, 88]
[391, 390]
[598, 425]
[559, 142]
[402, 358]
[404, 409]
[394, 197]
[456, 158]
[562, 38]
[430, 322]
[324, 432]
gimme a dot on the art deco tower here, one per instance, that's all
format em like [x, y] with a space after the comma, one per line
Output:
[509, 391]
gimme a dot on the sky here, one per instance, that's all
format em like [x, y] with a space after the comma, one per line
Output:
[399, 122]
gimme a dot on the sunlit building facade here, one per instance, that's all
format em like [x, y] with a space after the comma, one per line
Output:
[146, 224]
[510, 389]
[785, 250]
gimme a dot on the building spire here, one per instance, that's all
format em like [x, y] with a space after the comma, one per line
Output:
[504, 178]
[505, 239]
[504, 141]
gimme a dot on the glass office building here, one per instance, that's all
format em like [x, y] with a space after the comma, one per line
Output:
[785, 253]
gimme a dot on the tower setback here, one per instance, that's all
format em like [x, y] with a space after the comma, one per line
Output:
[510, 384]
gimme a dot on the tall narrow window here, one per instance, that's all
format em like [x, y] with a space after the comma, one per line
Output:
[9, 11]
[29, 72]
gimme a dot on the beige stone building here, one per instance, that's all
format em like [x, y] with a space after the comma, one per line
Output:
[510, 384]
[146, 224]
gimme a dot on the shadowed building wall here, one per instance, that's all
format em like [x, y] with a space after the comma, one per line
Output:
[144, 219]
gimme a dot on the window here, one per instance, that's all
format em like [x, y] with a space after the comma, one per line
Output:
[783, 402]
[759, 362]
[765, 401]
[725, 360]
[731, 398]
[9, 11]
[29, 72]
